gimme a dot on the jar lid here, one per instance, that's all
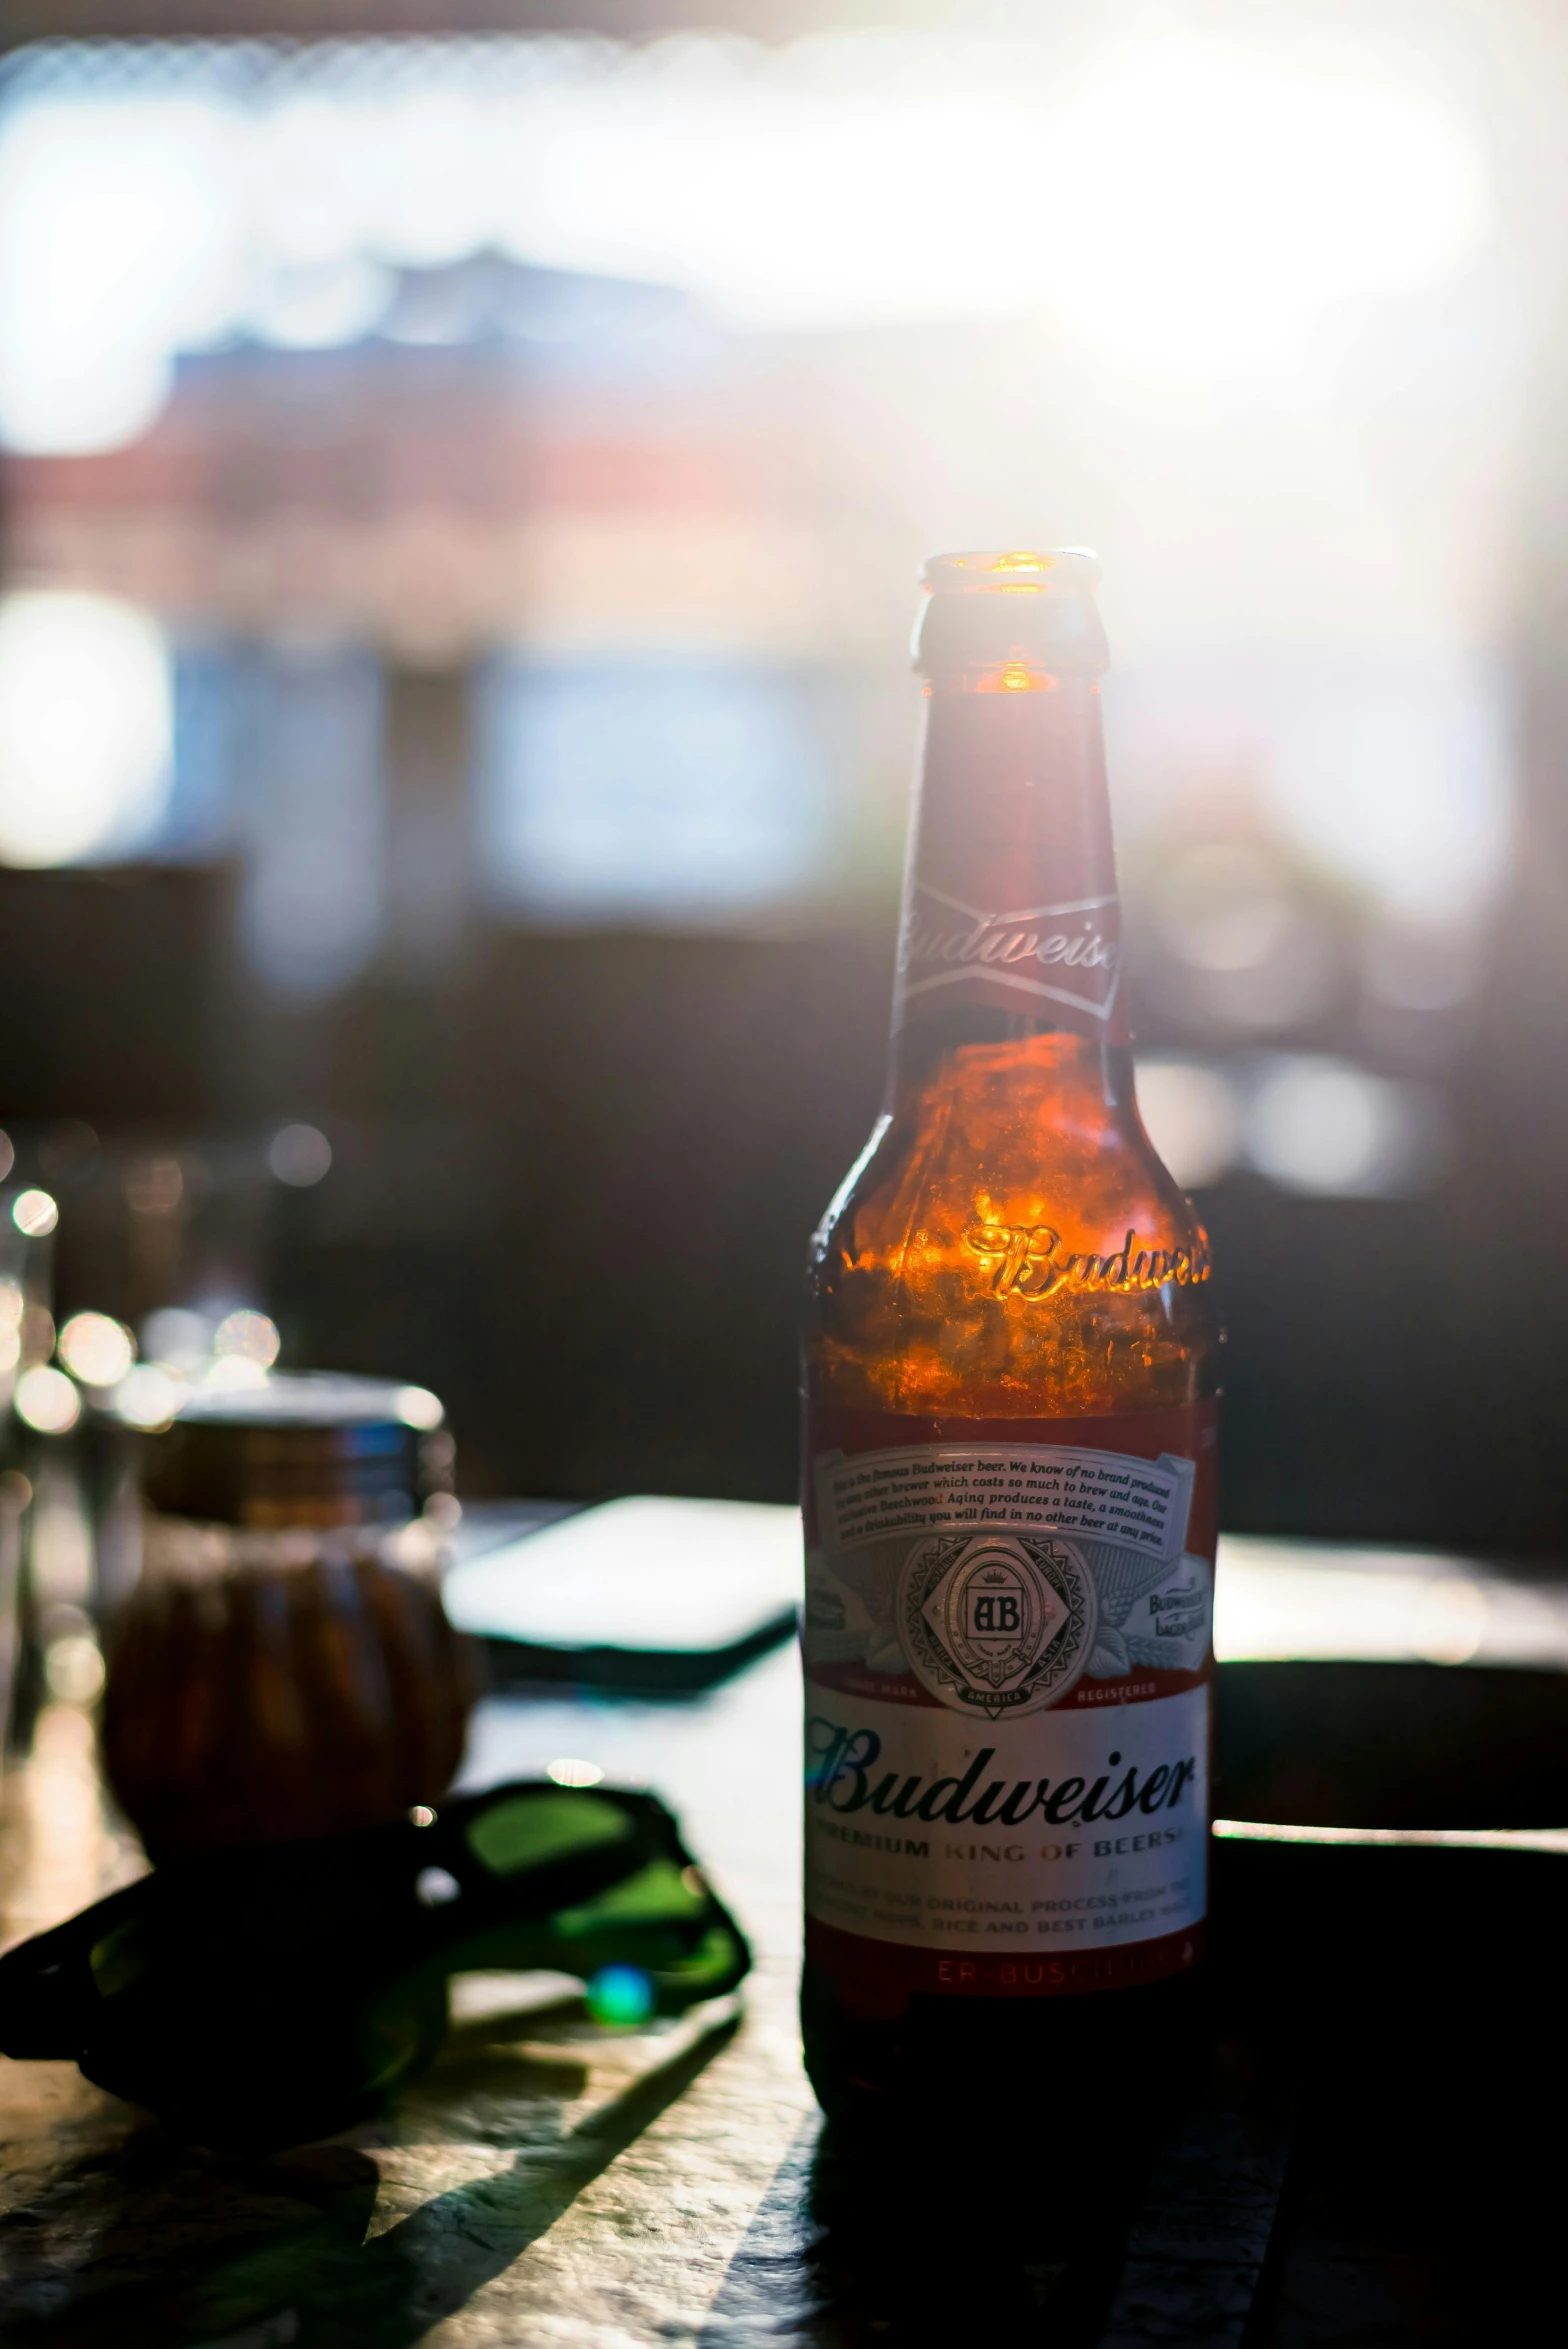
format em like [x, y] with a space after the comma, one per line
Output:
[307, 1448]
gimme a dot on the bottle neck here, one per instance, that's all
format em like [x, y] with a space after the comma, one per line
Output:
[1011, 924]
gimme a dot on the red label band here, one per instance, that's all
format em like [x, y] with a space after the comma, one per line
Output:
[873, 1980]
[855, 1680]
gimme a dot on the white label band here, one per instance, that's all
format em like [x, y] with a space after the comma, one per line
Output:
[1142, 1505]
[1060, 1832]
[999, 1574]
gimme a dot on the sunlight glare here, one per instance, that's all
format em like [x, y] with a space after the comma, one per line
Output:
[1186, 207]
[86, 724]
[1231, 197]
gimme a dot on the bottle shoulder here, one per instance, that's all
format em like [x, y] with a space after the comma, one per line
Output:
[1009, 1244]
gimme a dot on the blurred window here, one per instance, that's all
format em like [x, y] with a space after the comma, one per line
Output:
[1320, 1125]
[313, 898]
[1193, 1118]
[418, 348]
[669, 791]
[1309, 1122]
[1393, 773]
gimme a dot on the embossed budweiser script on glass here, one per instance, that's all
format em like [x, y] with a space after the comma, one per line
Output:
[1009, 1423]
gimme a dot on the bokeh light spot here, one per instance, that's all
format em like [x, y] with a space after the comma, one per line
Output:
[150, 1397]
[436, 1888]
[73, 1669]
[418, 1407]
[34, 1213]
[86, 725]
[299, 1155]
[1323, 1126]
[620, 1994]
[96, 1349]
[47, 1401]
[247, 1336]
[1192, 1116]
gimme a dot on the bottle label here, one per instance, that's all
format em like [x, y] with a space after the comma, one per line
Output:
[1065, 955]
[1011, 899]
[1008, 1660]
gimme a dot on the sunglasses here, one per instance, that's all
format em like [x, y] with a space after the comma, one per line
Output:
[258, 1998]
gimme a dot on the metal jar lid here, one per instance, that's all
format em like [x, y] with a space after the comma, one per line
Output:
[307, 1449]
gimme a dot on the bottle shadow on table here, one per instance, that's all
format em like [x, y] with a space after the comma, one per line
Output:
[999, 2227]
[1371, 2154]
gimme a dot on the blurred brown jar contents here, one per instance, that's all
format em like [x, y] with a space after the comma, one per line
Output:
[1009, 1446]
[284, 1666]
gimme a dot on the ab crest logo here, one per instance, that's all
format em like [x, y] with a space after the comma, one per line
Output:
[995, 1623]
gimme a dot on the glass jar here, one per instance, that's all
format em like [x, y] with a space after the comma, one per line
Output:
[283, 1665]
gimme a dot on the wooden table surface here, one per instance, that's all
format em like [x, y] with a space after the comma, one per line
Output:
[552, 2183]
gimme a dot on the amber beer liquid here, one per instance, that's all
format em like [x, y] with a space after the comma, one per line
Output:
[1009, 1385]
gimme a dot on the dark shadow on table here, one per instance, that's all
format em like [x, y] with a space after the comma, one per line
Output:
[163, 2244]
[153, 2243]
[434, 2261]
[858, 2245]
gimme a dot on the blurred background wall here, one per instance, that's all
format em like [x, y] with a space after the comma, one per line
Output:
[461, 494]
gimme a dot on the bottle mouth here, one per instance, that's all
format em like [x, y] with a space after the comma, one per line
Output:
[1009, 619]
[1070, 570]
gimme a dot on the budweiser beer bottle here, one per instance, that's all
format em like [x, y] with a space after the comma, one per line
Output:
[1009, 1436]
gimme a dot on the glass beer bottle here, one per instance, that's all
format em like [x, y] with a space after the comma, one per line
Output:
[1009, 1390]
